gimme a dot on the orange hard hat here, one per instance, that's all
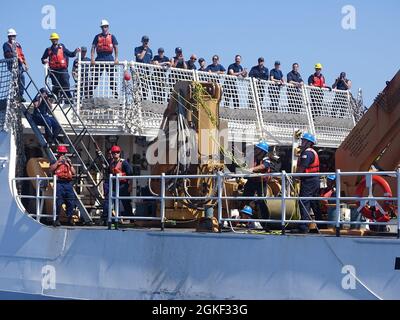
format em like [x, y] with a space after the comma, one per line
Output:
[62, 149]
[115, 149]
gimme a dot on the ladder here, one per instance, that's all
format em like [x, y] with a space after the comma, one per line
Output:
[79, 143]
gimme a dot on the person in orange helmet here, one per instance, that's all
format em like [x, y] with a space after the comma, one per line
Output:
[64, 171]
[123, 168]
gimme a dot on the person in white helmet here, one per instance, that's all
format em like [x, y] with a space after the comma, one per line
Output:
[105, 44]
[12, 49]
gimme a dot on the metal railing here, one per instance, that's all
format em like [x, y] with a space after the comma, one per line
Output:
[251, 106]
[286, 194]
[40, 185]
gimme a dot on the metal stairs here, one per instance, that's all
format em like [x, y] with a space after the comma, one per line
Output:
[78, 139]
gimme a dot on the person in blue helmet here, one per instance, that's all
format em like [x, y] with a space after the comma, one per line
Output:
[247, 213]
[258, 185]
[308, 162]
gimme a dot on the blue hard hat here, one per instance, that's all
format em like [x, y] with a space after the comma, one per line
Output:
[247, 210]
[263, 146]
[331, 177]
[309, 137]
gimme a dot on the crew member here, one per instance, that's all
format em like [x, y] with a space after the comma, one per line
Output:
[308, 162]
[123, 168]
[143, 53]
[105, 44]
[57, 58]
[255, 185]
[317, 80]
[64, 171]
[12, 49]
[41, 116]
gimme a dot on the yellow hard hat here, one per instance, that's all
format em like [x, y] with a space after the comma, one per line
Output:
[54, 36]
[318, 66]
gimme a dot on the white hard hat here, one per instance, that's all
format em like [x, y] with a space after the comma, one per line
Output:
[104, 23]
[11, 32]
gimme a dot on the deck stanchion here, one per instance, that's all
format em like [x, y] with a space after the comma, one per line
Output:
[283, 203]
[37, 198]
[162, 201]
[110, 199]
[54, 199]
[219, 186]
[338, 203]
[117, 201]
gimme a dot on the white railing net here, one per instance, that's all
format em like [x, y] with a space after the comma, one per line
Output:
[283, 110]
[331, 113]
[156, 85]
[101, 94]
[238, 106]
[7, 81]
[250, 106]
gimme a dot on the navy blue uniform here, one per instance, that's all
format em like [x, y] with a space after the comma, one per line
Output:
[10, 52]
[159, 59]
[309, 187]
[148, 56]
[294, 76]
[258, 186]
[261, 73]
[258, 72]
[105, 56]
[274, 91]
[59, 77]
[215, 68]
[126, 208]
[190, 64]
[231, 85]
[65, 194]
[42, 118]
[295, 98]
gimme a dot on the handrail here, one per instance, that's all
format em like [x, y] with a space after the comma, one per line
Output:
[115, 197]
[38, 197]
[283, 197]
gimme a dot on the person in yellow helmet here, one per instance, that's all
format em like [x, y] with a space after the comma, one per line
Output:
[56, 57]
[317, 95]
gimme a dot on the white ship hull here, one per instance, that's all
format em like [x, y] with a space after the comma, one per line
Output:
[96, 263]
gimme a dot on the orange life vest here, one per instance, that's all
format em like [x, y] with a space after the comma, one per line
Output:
[63, 172]
[104, 43]
[57, 61]
[318, 81]
[20, 54]
[116, 168]
[314, 167]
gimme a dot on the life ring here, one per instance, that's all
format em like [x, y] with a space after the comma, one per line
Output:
[375, 212]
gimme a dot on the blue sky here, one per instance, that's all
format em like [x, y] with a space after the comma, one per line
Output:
[290, 31]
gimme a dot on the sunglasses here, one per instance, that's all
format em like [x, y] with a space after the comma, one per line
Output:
[193, 59]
